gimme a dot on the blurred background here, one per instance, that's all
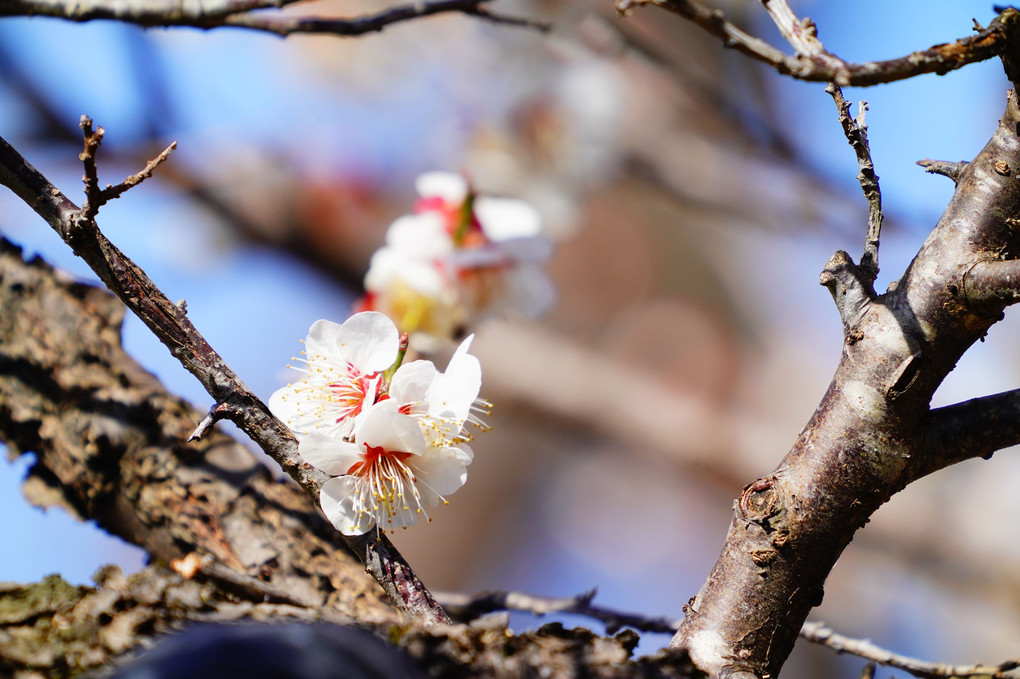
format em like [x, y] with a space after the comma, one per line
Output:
[694, 197]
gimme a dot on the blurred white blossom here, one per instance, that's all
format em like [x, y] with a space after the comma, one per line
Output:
[457, 259]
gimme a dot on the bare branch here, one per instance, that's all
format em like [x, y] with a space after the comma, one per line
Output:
[944, 167]
[170, 323]
[111, 192]
[59, 630]
[241, 14]
[802, 34]
[856, 132]
[467, 607]
[994, 283]
[93, 139]
[820, 634]
[851, 290]
[975, 428]
[866, 439]
[827, 67]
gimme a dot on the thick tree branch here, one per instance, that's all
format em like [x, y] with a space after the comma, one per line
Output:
[171, 325]
[61, 630]
[993, 284]
[975, 428]
[827, 67]
[851, 289]
[109, 446]
[245, 14]
[868, 437]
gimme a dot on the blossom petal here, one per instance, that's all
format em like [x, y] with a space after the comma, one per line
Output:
[411, 382]
[441, 471]
[301, 408]
[329, 454]
[284, 403]
[527, 249]
[384, 427]
[322, 340]
[504, 218]
[449, 186]
[423, 236]
[453, 392]
[340, 499]
[369, 340]
[389, 265]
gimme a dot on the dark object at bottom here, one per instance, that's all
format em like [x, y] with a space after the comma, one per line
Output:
[285, 651]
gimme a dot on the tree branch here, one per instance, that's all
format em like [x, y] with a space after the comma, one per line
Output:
[827, 67]
[975, 428]
[993, 284]
[946, 168]
[171, 325]
[62, 630]
[856, 132]
[820, 634]
[468, 607]
[210, 14]
[867, 438]
[851, 289]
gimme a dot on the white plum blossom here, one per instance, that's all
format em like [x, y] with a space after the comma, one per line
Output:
[458, 258]
[395, 449]
[444, 403]
[389, 477]
[343, 369]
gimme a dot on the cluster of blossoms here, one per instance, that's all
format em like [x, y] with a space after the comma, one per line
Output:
[458, 258]
[392, 436]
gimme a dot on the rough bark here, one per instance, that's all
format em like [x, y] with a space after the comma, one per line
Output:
[53, 629]
[110, 445]
[873, 432]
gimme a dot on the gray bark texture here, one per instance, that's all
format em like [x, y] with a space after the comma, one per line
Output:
[111, 446]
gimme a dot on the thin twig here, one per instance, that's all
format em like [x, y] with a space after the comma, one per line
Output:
[468, 607]
[230, 13]
[94, 197]
[93, 139]
[856, 132]
[818, 633]
[802, 34]
[827, 67]
[946, 168]
[114, 191]
[217, 412]
[170, 323]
